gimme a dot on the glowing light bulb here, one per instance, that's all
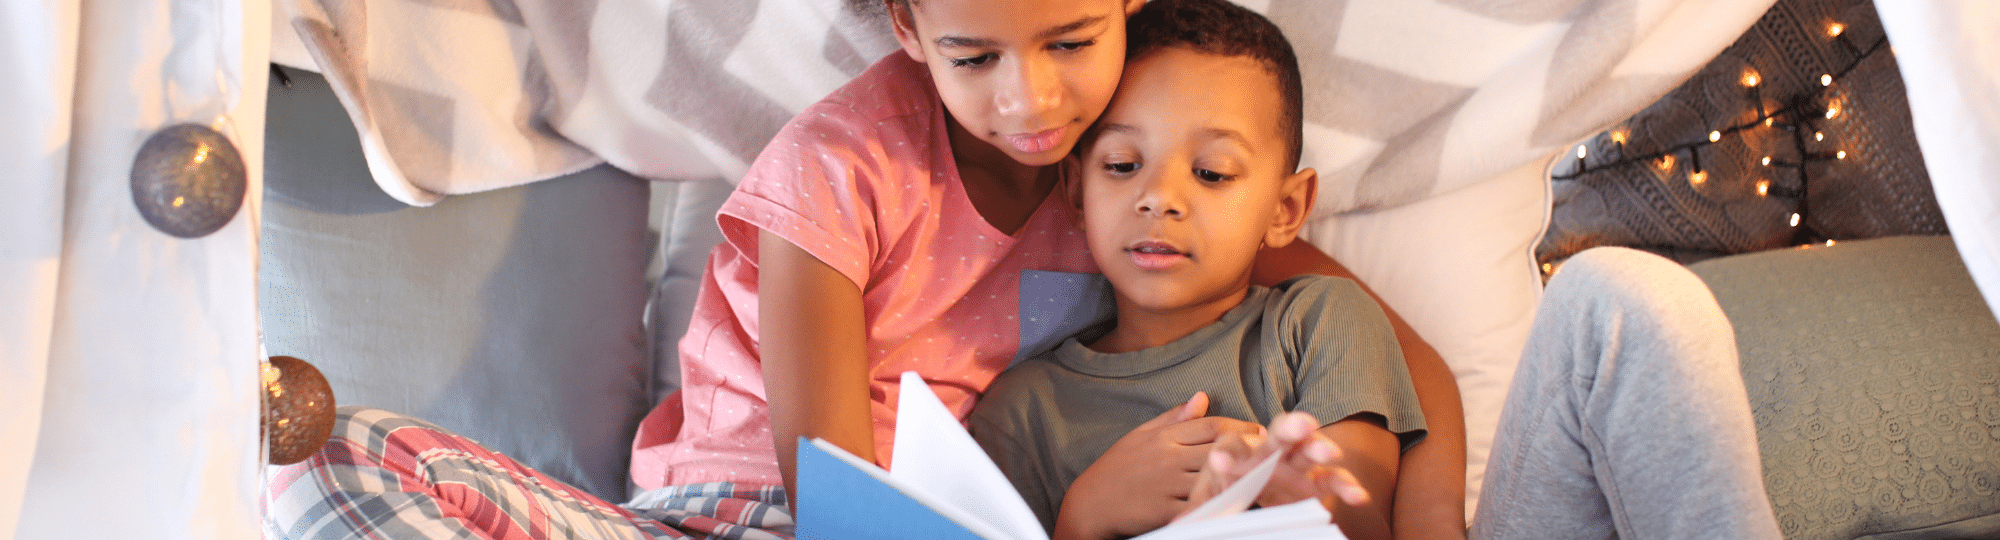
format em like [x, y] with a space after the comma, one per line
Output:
[1766, 161]
[1666, 162]
[1834, 30]
[1714, 136]
[1819, 135]
[1840, 154]
[1768, 122]
[1832, 111]
[1829, 243]
[1795, 219]
[1763, 188]
[1750, 78]
[1697, 179]
[1580, 151]
[1618, 137]
[1826, 79]
[1546, 267]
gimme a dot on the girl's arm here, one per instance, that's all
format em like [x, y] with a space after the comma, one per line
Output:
[812, 340]
[1430, 491]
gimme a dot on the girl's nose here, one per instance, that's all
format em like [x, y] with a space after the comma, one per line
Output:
[1033, 88]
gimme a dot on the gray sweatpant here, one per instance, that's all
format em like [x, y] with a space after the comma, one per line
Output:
[1627, 415]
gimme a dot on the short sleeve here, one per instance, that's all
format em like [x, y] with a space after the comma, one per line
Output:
[814, 186]
[1000, 421]
[1347, 359]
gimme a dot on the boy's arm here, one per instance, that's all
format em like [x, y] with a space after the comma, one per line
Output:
[812, 343]
[1430, 488]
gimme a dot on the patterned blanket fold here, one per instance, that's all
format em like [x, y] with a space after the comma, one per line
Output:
[1404, 99]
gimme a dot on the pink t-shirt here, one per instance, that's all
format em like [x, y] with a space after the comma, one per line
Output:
[865, 181]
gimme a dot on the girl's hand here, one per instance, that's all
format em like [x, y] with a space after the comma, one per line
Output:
[1144, 479]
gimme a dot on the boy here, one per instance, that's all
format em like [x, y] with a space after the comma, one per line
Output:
[1185, 177]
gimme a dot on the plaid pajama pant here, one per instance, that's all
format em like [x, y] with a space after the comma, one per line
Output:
[389, 476]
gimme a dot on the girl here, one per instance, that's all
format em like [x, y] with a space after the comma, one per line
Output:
[889, 227]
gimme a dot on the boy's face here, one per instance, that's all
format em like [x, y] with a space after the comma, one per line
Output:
[1186, 179]
[1025, 76]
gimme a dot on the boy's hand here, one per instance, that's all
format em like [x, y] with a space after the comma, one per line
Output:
[1306, 471]
[1145, 478]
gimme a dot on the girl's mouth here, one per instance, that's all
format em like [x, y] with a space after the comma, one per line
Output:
[1035, 143]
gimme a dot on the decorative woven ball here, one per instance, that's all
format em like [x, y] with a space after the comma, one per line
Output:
[298, 413]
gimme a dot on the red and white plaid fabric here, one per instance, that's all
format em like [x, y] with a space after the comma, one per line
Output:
[389, 476]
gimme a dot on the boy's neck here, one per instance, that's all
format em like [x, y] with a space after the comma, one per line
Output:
[1140, 328]
[1005, 192]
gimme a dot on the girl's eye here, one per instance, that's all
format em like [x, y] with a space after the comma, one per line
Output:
[1121, 168]
[972, 61]
[1211, 176]
[1072, 45]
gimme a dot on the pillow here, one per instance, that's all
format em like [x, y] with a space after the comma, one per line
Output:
[1872, 369]
[1470, 291]
[1841, 155]
[510, 316]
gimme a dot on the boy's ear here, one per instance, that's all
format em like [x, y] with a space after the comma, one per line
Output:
[1295, 202]
[1132, 7]
[905, 24]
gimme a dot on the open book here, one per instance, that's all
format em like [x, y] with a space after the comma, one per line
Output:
[944, 487]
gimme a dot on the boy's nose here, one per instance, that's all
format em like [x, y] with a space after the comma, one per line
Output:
[1032, 90]
[1160, 200]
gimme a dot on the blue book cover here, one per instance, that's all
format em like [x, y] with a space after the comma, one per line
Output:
[840, 500]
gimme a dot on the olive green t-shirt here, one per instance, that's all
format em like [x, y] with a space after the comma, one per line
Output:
[1313, 343]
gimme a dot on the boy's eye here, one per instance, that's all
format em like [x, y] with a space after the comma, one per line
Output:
[1211, 176]
[1121, 168]
[1072, 45]
[972, 61]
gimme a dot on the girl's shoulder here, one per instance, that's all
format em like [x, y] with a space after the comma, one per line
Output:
[895, 91]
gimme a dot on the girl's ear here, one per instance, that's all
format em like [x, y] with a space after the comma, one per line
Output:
[1295, 202]
[1132, 6]
[905, 24]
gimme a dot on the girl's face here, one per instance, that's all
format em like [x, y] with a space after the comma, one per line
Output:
[1026, 76]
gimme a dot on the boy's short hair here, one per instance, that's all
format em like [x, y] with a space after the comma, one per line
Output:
[1222, 28]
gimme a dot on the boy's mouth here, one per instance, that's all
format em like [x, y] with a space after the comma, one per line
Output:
[1155, 255]
[1035, 143]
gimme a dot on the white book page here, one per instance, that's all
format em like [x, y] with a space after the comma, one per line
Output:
[1237, 497]
[1299, 520]
[935, 455]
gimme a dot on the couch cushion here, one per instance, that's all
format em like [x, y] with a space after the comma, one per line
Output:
[1872, 368]
[511, 317]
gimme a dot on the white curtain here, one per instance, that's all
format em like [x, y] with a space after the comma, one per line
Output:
[128, 357]
[1949, 54]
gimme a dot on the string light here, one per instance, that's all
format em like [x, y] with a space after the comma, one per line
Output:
[1799, 113]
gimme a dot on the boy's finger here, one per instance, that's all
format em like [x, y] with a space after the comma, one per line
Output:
[1195, 407]
[1292, 427]
[1208, 429]
[1342, 484]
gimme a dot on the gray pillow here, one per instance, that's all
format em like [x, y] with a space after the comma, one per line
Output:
[511, 316]
[1872, 368]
